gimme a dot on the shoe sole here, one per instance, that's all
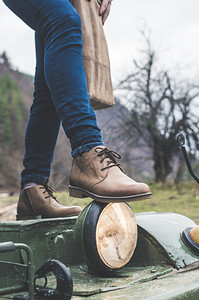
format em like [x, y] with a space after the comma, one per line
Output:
[26, 217]
[81, 193]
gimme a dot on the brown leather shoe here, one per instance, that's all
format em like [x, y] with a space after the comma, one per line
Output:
[97, 174]
[38, 202]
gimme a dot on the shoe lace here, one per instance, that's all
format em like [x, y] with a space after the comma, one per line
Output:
[111, 155]
[49, 190]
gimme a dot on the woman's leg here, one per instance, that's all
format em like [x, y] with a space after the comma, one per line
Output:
[60, 26]
[41, 133]
[43, 125]
[95, 173]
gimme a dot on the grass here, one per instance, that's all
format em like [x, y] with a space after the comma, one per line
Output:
[182, 199]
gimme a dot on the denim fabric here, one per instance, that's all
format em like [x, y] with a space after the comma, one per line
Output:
[60, 91]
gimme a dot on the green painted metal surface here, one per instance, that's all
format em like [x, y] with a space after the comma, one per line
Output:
[162, 231]
[48, 238]
[177, 287]
[145, 283]
[16, 276]
[159, 251]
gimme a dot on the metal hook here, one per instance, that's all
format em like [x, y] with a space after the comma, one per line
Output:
[181, 143]
[64, 287]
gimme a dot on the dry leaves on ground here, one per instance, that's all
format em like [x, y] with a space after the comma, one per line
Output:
[8, 212]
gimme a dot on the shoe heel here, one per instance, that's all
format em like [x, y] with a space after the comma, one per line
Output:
[26, 217]
[73, 192]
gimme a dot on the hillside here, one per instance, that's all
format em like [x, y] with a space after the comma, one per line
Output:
[15, 99]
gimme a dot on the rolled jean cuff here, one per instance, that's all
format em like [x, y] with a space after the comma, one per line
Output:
[39, 179]
[85, 148]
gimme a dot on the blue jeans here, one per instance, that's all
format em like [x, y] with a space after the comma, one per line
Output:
[60, 91]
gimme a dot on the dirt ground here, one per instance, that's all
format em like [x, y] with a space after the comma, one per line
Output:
[8, 210]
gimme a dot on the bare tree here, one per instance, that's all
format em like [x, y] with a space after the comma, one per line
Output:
[4, 59]
[161, 106]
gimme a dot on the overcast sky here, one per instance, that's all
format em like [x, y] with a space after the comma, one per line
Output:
[174, 26]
